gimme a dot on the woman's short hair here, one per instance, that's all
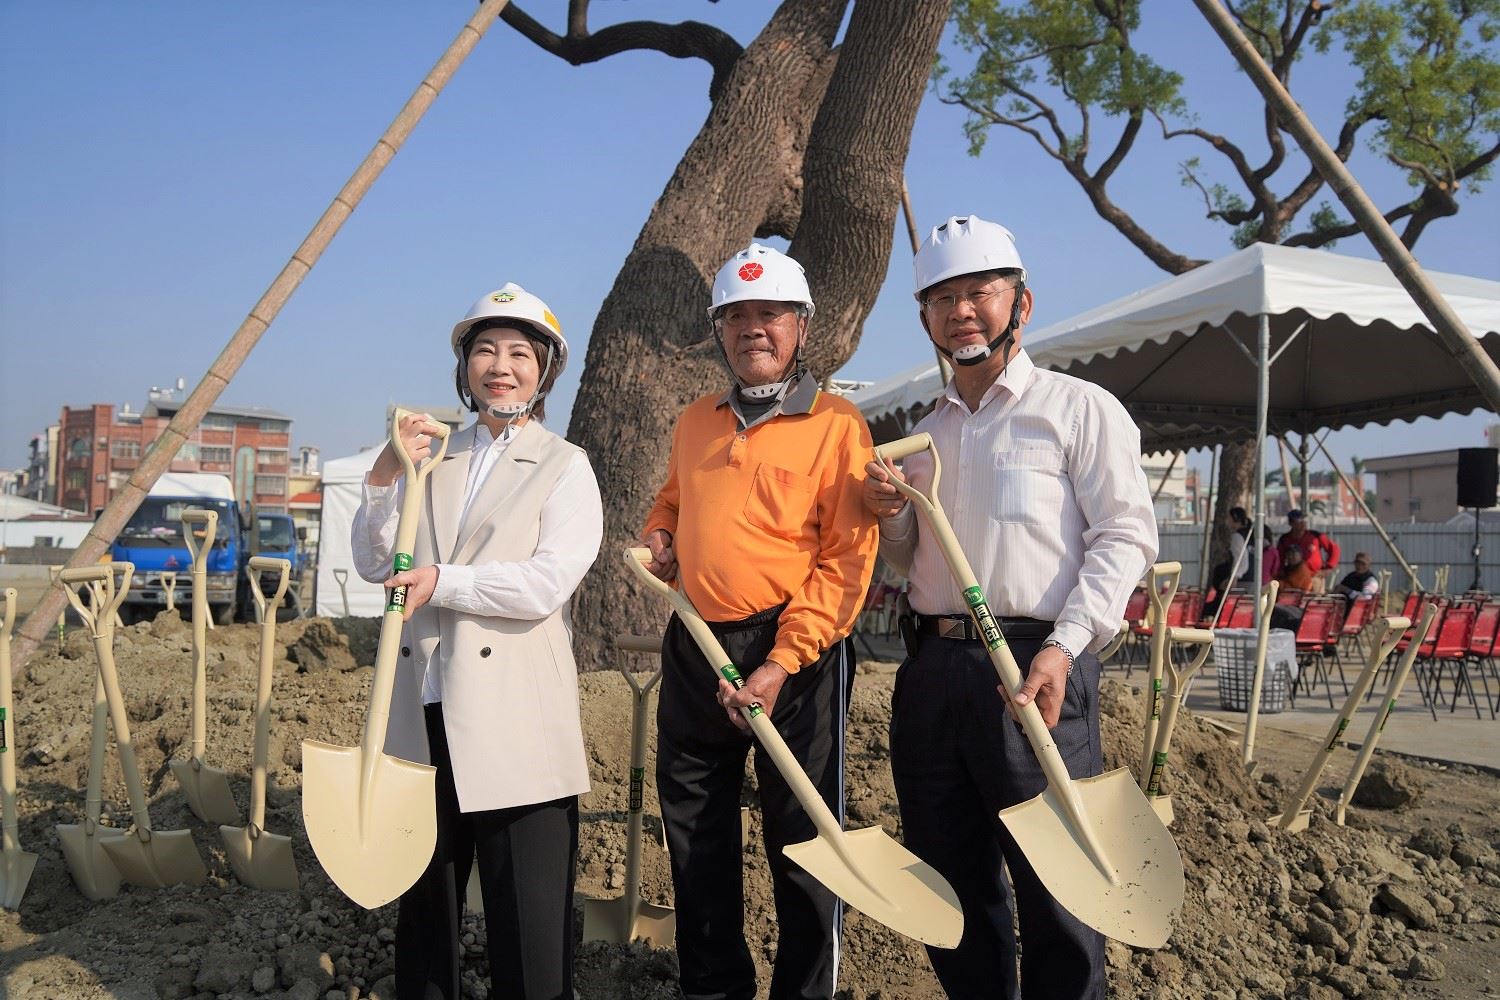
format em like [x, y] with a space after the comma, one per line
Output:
[540, 345]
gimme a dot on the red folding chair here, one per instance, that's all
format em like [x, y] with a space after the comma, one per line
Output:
[1136, 608]
[1451, 648]
[1482, 650]
[1312, 637]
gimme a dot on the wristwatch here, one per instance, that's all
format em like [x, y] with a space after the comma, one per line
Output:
[1065, 651]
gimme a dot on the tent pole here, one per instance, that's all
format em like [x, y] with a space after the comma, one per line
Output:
[1359, 499]
[1286, 470]
[944, 372]
[1208, 519]
[264, 312]
[1451, 330]
[1262, 404]
[1304, 488]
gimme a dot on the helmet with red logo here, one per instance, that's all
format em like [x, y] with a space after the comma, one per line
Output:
[760, 272]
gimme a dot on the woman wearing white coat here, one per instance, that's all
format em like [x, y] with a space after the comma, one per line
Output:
[487, 690]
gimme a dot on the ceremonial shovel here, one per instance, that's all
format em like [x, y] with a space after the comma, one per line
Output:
[206, 788]
[146, 857]
[1130, 892]
[262, 859]
[865, 868]
[16, 865]
[623, 920]
[372, 818]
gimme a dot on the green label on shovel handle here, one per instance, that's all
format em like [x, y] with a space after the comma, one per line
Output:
[1343, 725]
[3, 746]
[637, 783]
[1385, 717]
[993, 640]
[1156, 699]
[732, 675]
[397, 602]
[1158, 765]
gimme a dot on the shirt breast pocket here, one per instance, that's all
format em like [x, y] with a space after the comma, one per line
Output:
[780, 501]
[1029, 485]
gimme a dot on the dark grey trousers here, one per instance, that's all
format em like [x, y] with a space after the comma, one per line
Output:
[958, 759]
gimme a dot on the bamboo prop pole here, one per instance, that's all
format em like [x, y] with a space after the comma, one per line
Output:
[1377, 724]
[945, 372]
[1452, 332]
[255, 325]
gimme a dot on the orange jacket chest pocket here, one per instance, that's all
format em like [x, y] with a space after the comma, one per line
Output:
[780, 501]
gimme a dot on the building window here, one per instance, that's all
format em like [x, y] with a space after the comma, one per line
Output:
[271, 456]
[213, 453]
[220, 421]
[79, 447]
[125, 449]
[77, 478]
[275, 426]
[270, 485]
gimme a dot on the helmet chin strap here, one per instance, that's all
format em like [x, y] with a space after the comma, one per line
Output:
[513, 412]
[771, 391]
[976, 354]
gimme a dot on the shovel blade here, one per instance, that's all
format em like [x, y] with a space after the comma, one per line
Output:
[207, 792]
[263, 861]
[15, 873]
[608, 920]
[1139, 908]
[887, 883]
[93, 870]
[373, 862]
[167, 857]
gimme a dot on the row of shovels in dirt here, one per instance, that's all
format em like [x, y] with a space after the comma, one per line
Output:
[101, 858]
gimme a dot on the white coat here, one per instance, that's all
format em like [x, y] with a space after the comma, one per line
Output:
[510, 686]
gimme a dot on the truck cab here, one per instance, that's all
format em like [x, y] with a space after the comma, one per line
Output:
[152, 539]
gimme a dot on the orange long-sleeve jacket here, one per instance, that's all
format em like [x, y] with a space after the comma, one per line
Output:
[771, 514]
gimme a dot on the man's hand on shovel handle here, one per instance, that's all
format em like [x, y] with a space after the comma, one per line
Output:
[1046, 684]
[663, 564]
[880, 497]
[761, 688]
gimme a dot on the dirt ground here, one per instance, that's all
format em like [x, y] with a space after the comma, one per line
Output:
[1400, 902]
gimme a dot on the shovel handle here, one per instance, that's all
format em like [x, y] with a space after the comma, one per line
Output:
[1161, 588]
[1204, 639]
[105, 596]
[894, 451]
[1059, 781]
[1267, 600]
[199, 542]
[1390, 635]
[765, 731]
[9, 821]
[256, 566]
[268, 564]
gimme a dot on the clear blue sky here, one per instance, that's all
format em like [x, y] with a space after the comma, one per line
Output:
[159, 163]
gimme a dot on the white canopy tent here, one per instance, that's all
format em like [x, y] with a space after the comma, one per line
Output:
[342, 478]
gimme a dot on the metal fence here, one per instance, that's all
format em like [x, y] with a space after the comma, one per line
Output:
[1426, 546]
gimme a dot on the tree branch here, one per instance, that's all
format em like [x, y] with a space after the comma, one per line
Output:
[684, 40]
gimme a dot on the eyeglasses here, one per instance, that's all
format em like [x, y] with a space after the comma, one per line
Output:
[948, 303]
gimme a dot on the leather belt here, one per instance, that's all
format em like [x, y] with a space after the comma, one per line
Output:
[963, 627]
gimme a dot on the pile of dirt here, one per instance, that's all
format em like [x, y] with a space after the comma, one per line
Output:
[1400, 902]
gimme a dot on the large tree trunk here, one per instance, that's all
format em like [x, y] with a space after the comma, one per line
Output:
[1236, 489]
[651, 350]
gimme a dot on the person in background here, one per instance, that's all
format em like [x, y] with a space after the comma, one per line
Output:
[1320, 553]
[1360, 582]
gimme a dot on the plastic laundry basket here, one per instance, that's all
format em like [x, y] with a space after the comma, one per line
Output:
[1234, 662]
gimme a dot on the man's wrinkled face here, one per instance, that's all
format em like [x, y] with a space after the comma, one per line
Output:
[761, 339]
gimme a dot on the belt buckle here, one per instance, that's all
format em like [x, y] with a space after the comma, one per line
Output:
[953, 628]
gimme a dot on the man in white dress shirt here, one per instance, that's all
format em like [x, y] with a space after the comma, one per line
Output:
[1042, 480]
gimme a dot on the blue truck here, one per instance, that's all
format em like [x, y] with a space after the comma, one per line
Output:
[152, 540]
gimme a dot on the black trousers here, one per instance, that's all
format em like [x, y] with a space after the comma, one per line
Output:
[700, 767]
[527, 855]
[958, 759]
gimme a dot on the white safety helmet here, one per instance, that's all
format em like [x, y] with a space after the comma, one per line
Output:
[965, 244]
[760, 272]
[513, 302]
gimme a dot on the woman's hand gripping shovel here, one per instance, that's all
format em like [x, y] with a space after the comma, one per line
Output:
[16, 865]
[206, 788]
[865, 868]
[145, 857]
[1130, 891]
[372, 818]
[629, 918]
[262, 859]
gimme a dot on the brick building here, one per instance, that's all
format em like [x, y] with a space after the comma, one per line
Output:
[98, 450]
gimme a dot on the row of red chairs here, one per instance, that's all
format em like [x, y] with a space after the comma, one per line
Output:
[1464, 637]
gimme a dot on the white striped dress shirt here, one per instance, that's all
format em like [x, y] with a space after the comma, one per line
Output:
[1044, 488]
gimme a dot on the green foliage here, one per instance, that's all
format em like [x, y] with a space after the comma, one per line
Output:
[1429, 78]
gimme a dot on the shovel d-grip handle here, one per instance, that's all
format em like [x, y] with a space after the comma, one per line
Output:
[201, 541]
[1059, 781]
[254, 568]
[200, 526]
[268, 564]
[406, 529]
[760, 724]
[105, 596]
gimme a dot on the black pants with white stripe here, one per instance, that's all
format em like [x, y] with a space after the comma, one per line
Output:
[526, 856]
[958, 759]
[700, 767]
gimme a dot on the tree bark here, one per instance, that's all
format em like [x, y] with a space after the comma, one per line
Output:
[798, 145]
[1236, 488]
